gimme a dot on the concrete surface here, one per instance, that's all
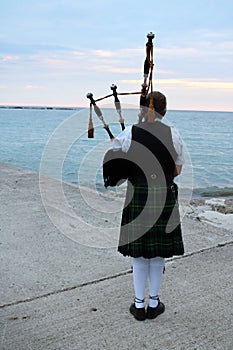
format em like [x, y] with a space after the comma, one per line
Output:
[58, 294]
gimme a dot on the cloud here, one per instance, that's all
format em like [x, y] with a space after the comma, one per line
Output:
[186, 83]
[54, 62]
[211, 85]
[213, 34]
[112, 69]
[201, 49]
[202, 66]
[102, 53]
[177, 51]
[33, 87]
[9, 58]
[82, 62]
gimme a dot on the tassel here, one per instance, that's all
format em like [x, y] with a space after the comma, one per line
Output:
[90, 125]
[90, 129]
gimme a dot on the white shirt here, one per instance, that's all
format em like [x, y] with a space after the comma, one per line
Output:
[123, 141]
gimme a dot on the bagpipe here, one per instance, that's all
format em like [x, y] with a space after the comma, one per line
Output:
[145, 88]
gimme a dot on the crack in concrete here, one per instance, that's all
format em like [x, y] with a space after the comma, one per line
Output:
[67, 289]
[123, 273]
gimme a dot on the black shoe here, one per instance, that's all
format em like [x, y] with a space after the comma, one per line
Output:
[138, 313]
[153, 312]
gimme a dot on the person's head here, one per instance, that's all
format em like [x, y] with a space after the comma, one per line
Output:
[159, 101]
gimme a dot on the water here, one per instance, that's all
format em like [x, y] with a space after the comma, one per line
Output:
[71, 156]
[208, 137]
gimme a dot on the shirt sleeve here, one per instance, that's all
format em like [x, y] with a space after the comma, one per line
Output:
[178, 145]
[123, 140]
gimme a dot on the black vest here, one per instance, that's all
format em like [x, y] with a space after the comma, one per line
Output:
[152, 153]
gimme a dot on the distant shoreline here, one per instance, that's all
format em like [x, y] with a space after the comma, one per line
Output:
[78, 108]
[41, 107]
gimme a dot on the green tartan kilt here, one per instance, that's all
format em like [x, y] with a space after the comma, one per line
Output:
[150, 224]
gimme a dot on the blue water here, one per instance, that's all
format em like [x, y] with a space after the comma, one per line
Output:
[24, 134]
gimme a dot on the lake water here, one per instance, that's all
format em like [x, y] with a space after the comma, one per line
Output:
[55, 142]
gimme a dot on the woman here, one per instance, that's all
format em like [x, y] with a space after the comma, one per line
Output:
[150, 225]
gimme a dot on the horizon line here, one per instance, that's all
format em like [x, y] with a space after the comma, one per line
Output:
[82, 107]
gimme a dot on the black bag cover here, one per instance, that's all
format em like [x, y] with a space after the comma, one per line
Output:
[115, 168]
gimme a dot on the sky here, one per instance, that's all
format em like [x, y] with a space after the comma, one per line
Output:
[53, 52]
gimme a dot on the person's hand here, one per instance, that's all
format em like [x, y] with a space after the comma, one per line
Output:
[177, 170]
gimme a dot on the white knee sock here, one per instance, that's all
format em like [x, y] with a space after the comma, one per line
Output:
[140, 275]
[156, 266]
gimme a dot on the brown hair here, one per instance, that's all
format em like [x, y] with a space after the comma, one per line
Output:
[159, 101]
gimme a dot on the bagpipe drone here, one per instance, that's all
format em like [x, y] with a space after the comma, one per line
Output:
[145, 88]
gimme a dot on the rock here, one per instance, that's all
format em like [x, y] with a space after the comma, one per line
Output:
[215, 201]
[221, 205]
[217, 219]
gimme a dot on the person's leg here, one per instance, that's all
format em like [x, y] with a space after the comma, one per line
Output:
[156, 266]
[140, 275]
